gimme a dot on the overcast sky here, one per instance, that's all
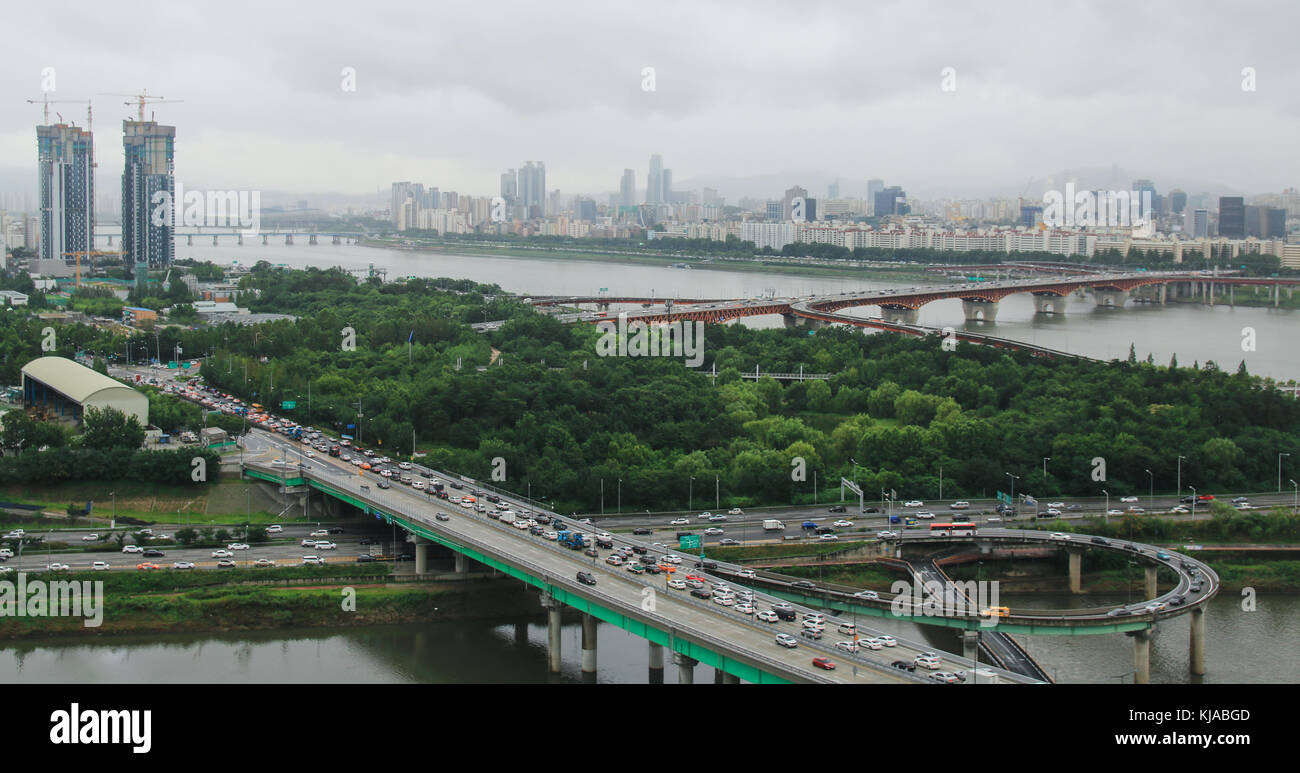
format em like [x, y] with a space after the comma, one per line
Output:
[452, 94]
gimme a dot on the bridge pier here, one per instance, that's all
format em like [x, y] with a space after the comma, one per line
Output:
[552, 632]
[1197, 643]
[1141, 656]
[1164, 293]
[970, 645]
[730, 678]
[685, 668]
[214, 240]
[288, 240]
[897, 316]
[791, 320]
[264, 238]
[1150, 589]
[311, 240]
[189, 239]
[1110, 298]
[979, 310]
[588, 644]
[462, 563]
[241, 240]
[110, 241]
[656, 663]
[336, 240]
[1076, 569]
[421, 555]
[1232, 301]
[1049, 304]
[1277, 293]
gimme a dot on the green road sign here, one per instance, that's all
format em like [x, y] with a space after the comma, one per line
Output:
[288, 405]
[172, 364]
[688, 542]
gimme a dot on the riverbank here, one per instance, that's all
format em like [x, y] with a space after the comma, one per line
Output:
[329, 604]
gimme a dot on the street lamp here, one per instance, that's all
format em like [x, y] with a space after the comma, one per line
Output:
[1106, 513]
[690, 494]
[1013, 478]
[1295, 502]
[1046, 459]
[1151, 491]
[1193, 488]
[1279, 471]
[1178, 484]
[620, 496]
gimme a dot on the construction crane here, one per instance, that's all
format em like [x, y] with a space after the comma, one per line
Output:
[142, 99]
[46, 102]
[92, 254]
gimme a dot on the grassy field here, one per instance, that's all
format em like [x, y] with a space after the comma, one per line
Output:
[222, 503]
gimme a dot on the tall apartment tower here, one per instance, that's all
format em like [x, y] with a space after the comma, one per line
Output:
[787, 206]
[627, 189]
[654, 181]
[532, 188]
[149, 168]
[66, 160]
[401, 192]
[666, 187]
[509, 185]
[874, 187]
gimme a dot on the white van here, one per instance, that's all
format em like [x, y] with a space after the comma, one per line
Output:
[848, 628]
[310, 560]
[929, 661]
[100, 566]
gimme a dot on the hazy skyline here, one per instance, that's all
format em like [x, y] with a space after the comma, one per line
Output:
[453, 94]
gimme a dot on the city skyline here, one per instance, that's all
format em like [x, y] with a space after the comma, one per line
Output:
[267, 115]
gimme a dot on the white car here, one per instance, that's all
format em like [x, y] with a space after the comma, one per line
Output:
[1128, 499]
[222, 554]
[57, 567]
[90, 538]
[311, 454]
[843, 524]
[1056, 505]
[735, 511]
[313, 560]
[886, 534]
[870, 643]
[866, 594]
[550, 535]
[1059, 536]
[1114, 511]
[132, 549]
[1052, 511]
[669, 558]
[886, 640]
[183, 565]
[829, 537]
[847, 646]
[744, 608]
[237, 546]
[925, 515]
[676, 584]
[746, 573]
[725, 600]
[319, 533]
[767, 616]
[914, 503]
[324, 545]
[787, 641]
[705, 515]
[679, 522]
[100, 566]
[713, 531]
[403, 465]
[274, 528]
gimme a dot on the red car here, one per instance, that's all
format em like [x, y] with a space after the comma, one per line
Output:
[146, 566]
[1204, 497]
[825, 663]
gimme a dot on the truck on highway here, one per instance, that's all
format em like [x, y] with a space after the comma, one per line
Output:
[573, 540]
[771, 524]
[507, 516]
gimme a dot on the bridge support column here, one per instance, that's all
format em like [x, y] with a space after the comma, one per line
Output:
[1232, 297]
[241, 240]
[791, 320]
[656, 663]
[552, 633]
[730, 678]
[1049, 304]
[336, 240]
[717, 675]
[1151, 590]
[1164, 293]
[288, 239]
[588, 644]
[462, 563]
[970, 645]
[264, 238]
[1076, 569]
[214, 240]
[421, 555]
[189, 239]
[896, 316]
[1115, 298]
[979, 311]
[685, 668]
[1197, 643]
[1142, 656]
[1277, 294]
[110, 241]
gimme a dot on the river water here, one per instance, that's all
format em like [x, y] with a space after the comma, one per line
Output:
[1192, 332]
[1241, 647]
